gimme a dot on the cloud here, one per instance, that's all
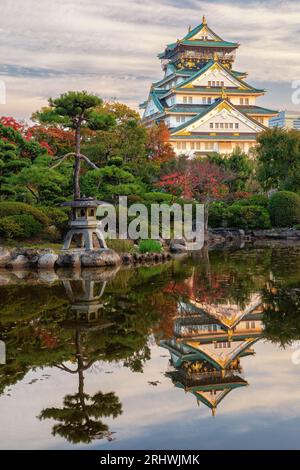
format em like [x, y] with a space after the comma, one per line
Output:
[110, 47]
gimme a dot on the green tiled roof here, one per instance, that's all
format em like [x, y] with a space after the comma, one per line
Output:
[238, 74]
[219, 90]
[213, 90]
[198, 108]
[199, 28]
[185, 108]
[173, 45]
[256, 110]
[218, 136]
[202, 113]
[177, 73]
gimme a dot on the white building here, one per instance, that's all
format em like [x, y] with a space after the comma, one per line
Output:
[286, 119]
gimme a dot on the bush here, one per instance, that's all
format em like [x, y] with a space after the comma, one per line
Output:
[256, 200]
[284, 208]
[150, 246]
[158, 198]
[121, 246]
[248, 217]
[217, 214]
[19, 227]
[8, 208]
[57, 217]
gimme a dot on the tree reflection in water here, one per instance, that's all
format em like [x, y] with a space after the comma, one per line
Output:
[76, 423]
[208, 310]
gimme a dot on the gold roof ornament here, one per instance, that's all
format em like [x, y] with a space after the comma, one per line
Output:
[190, 28]
[204, 22]
[224, 94]
[216, 57]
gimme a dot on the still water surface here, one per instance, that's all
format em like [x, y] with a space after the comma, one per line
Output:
[200, 353]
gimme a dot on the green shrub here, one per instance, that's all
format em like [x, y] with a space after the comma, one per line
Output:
[217, 214]
[284, 208]
[57, 217]
[19, 227]
[248, 217]
[8, 208]
[157, 197]
[121, 246]
[150, 246]
[255, 200]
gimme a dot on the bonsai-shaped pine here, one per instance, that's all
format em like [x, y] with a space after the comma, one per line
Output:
[79, 419]
[76, 110]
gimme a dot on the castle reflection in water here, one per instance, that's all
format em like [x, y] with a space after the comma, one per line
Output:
[207, 347]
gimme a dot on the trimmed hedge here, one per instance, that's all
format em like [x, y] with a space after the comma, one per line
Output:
[248, 217]
[8, 208]
[256, 200]
[284, 208]
[19, 227]
[217, 214]
[57, 217]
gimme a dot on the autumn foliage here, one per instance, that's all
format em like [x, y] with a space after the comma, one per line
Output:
[198, 179]
[159, 147]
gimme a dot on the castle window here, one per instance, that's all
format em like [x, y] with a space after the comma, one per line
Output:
[185, 99]
[192, 146]
[211, 125]
[222, 84]
[209, 146]
[178, 145]
[190, 99]
[246, 100]
[231, 125]
[236, 125]
[241, 100]
[182, 119]
[198, 145]
[209, 83]
[203, 100]
[177, 118]
[209, 100]
[217, 125]
[183, 145]
[221, 125]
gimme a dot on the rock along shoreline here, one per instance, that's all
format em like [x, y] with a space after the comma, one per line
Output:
[33, 258]
[44, 258]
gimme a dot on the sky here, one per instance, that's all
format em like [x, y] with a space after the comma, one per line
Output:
[263, 415]
[110, 47]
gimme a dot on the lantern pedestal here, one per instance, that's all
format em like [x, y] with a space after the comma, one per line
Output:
[84, 226]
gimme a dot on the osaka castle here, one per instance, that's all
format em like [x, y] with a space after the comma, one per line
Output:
[206, 104]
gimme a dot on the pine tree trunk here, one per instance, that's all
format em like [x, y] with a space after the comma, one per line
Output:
[77, 164]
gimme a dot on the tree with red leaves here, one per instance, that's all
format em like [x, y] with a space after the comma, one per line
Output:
[159, 148]
[198, 179]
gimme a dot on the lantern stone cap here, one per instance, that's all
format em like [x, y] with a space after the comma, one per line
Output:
[85, 202]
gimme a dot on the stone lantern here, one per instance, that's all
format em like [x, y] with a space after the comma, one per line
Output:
[85, 291]
[84, 227]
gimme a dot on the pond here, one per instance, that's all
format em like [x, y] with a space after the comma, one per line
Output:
[199, 353]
